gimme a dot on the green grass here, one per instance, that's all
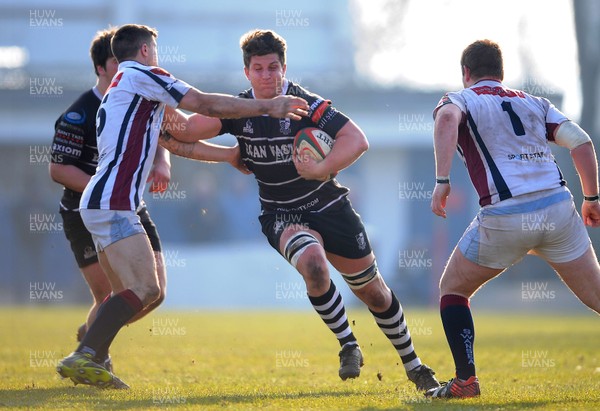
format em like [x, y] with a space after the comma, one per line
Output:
[288, 360]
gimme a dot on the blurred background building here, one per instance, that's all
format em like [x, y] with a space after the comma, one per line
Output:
[354, 52]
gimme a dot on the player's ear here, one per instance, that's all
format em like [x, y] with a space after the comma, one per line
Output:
[247, 72]
[283, 69]
[101, 70]
[466, 75]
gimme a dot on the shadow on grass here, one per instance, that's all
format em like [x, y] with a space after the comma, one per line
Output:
[59, 397]
[52, 397]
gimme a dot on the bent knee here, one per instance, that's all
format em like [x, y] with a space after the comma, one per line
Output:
[160, 299]
[313, 267]
[456, 285]
[375, 294]
[149, 293]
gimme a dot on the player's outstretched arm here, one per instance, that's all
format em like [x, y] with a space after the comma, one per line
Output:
[190, 128]
[445, 139]
[203, 151]
[225, 106]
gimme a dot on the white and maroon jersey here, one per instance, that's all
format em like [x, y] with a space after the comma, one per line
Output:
[127, 127]
[503, 140]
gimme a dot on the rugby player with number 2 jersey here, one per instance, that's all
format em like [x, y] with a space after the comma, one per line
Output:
[127, 126]
[74, 161]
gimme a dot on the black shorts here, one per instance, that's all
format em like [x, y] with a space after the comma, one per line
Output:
[81, 241]
[341, 228]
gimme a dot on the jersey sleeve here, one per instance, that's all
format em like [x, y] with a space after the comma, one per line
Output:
[228, 125]
[451, 98]
[156, 84]
[323, 115]
[554, 118]
[69, 138]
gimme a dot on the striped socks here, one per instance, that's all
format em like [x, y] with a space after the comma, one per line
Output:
[392, 323]
[330, 308]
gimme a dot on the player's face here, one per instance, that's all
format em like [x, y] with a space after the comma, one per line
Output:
[111, 67]
[265, 74]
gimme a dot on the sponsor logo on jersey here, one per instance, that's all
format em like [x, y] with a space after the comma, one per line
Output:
[75, 117]
[315, 104]
[498, 91]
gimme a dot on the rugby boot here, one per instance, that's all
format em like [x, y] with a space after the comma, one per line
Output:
[351, 360]
[81, 369]
[456, 388]
[423, 377]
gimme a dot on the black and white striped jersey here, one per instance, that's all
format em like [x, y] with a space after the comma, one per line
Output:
[266, 146]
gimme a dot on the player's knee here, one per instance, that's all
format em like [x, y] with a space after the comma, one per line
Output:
[315, 271]
[449, 287]
[161, 297]
[163, 292]
[452, 283]
[297, 245]
[374, 292]
[149, 293]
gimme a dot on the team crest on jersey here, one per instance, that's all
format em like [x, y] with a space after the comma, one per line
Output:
[88, 252]
[284, 126]
[278, 226]
[248, 127]
[361, 241]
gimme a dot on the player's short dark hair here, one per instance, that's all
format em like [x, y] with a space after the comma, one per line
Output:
[129, 38]
[100, 50]
[260, 43]
[484, 59]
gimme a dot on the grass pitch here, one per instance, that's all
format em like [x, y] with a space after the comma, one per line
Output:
[288, 360]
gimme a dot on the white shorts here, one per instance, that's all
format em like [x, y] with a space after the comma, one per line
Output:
[110, 226]
[545, 224]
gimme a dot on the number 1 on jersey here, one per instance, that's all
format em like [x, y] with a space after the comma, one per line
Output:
[516, 122]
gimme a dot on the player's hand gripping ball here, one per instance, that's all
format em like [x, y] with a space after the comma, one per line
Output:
[313, 143]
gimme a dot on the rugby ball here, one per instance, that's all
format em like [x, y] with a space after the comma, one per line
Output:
[313, 142]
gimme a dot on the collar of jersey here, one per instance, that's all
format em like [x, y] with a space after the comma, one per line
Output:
[130, 63]
[487, 82]
[97, 92]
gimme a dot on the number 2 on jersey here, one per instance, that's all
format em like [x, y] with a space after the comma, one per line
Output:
[516, 122]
